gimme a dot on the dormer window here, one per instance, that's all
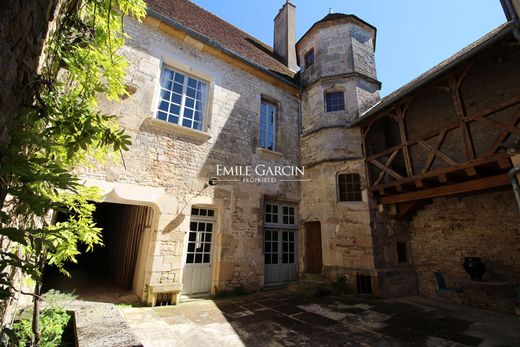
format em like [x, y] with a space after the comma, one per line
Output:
[335, 101]
[309, 58]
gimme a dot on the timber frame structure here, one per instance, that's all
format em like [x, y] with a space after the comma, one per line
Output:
[447, 132]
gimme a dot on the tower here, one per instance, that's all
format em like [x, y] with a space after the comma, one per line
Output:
[338, 80]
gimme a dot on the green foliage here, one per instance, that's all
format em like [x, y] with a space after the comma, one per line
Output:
[53, 319]
[63, 130]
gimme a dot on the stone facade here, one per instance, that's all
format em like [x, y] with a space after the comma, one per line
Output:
[484, 225]
[181, 161]
[344, 62]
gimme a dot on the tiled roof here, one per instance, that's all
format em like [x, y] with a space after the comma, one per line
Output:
[217, 30]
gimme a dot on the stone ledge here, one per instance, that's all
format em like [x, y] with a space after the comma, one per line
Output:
[268, 153]
[164, 288]
[177, 129]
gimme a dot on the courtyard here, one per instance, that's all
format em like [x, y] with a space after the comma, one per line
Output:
[282, 318]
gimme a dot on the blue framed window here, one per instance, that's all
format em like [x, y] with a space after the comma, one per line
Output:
[267, 125]
[335, 101]
[182, 99]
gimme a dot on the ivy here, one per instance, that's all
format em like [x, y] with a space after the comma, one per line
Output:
[62, 130]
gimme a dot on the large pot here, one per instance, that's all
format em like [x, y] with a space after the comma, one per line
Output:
[475, 267]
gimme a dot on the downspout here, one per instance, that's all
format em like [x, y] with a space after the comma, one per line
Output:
[514, 181]
[512, 16]
[512, 151]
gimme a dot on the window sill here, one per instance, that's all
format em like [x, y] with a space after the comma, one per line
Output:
[268, 153]
[178, 129]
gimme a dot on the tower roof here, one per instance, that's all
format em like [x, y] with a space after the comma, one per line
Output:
[339, 17]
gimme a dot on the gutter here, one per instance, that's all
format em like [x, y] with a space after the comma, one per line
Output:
[215, 44]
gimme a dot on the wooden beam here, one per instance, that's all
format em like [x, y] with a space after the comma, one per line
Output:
[461, 113]
[401, 112]
[470, 171]
[458, 188]
[504, 163]
[433, 151]
[438, 153]
[386, 169]
[387, 165]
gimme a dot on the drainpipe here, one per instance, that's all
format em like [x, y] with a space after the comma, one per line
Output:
[514, 150]
[514, 181]
[512, 15]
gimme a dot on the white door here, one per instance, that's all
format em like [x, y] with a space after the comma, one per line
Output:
[197, 271]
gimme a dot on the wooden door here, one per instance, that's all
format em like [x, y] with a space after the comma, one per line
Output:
[313, 247]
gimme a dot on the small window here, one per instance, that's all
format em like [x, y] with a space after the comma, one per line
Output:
[202, 212]
[182, 99]
[267, 125]
[349, 187]
[402, 254]
[335, 101]
[309, 58]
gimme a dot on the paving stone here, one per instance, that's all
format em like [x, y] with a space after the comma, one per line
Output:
[460, 338]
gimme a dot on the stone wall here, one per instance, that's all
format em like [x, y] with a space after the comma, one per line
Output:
[485, 225]
[183, 161]
[23, 29]
[345, 226]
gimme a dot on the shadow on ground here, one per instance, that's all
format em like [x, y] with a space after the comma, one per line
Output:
[281, 318]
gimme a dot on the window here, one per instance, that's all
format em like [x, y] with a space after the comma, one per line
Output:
[280, 214]
[309, 58]
[402, 254]
[200, 236]
[335, 101]
[182, 99]
[267, 125]
[349, 187]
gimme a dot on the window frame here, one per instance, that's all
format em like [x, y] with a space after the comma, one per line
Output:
[308, 54]
[280, 214]
[198, 219]
[204, 99]
[347, 182]
[331, 92]
[268, 102]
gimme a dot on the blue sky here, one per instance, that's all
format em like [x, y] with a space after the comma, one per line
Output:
[413, 35]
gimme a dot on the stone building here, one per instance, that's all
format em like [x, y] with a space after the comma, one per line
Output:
[249, 165]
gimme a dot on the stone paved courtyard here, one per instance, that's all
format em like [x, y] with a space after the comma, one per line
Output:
[280, 318]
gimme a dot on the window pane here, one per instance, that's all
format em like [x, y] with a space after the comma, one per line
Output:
[189, 259]
[267, 125]
[206, 258]
[175, 87]
[179, 78]
[335, 101]
[162, 115]
[349, 187]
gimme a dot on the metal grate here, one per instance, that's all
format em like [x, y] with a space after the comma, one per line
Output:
[364, 284]
[163, 299]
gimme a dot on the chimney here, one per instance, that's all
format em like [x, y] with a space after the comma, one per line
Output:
[285, 35]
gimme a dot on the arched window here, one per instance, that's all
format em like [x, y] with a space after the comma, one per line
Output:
[349, 187]
[334, 101]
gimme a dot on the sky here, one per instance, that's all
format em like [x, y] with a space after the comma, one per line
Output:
[413, 35]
